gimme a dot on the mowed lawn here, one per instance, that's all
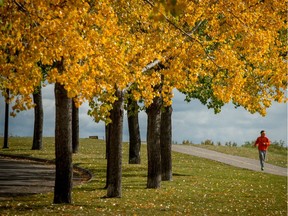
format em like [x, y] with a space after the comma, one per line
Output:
[199, 187]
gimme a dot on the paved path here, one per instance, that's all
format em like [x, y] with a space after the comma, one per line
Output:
[26, 177]
[236, 161]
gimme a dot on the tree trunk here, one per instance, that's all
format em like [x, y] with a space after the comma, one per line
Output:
[107, 140]
[153, 144]
[134, 132]
[108, 167]
[75, 128]
[114, 188]
[6, 125]
[166, 144]
[38, 120]
[63, 146]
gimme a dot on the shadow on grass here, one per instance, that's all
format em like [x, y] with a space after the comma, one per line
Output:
[11, 195]
[181, 174]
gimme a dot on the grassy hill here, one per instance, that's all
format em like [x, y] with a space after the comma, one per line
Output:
[199, 187]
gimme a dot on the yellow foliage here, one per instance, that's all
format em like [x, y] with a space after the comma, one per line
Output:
[94, 47]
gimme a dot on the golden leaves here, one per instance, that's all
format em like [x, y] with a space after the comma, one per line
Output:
[109, 43]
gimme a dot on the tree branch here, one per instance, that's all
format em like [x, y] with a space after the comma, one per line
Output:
[188, 35]
[21, 7]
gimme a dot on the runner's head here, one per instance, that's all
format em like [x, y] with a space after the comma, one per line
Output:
[262, 133]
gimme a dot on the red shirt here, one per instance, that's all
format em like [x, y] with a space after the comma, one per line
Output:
[263, 142]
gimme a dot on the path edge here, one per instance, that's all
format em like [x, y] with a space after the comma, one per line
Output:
[87, 175]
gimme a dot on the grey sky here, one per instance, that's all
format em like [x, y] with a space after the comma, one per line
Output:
[191, 121]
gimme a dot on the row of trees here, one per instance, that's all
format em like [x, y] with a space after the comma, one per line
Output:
[107, 52]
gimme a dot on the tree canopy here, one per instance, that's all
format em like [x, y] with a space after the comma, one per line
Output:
[239, 47]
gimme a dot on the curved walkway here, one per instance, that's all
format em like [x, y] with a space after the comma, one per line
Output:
[19, 177]
[232, 160]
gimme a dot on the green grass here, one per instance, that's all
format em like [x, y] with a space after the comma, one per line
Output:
[199, 187]
[275, 155]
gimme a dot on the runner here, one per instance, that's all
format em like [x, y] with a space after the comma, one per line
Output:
[263, 143]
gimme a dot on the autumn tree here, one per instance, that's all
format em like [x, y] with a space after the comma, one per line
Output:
[106, 43]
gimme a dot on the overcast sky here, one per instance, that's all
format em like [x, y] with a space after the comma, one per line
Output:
[191, 121]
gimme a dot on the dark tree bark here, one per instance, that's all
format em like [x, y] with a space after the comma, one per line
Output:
[153, 144]
[38, 120]
[114, 188]
[134, 132]
[63, 146]
[75, 128]
[166, 143]
[108, 169]
[107, 139]
[6, 124]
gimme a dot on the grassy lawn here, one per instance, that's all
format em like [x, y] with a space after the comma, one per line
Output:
[199, 187]
[275, 155]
